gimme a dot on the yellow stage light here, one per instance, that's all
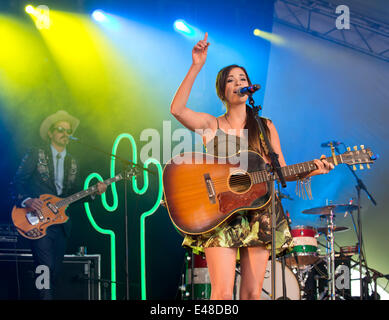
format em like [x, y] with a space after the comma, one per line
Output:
[40, 15]
[269, 36]
[30, 9]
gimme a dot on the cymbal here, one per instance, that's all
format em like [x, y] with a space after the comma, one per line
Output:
[334, 208]
[324, 230]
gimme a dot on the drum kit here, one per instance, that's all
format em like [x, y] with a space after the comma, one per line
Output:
[293, 271]
[305, 254]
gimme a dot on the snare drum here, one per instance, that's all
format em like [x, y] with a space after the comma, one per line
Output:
[305, 247]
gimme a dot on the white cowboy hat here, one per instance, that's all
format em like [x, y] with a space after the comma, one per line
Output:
[60, 115]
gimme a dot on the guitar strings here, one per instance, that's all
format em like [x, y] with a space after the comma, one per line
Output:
[220, 185]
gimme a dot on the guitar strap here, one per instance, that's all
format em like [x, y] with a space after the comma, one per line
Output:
[262, 138]
[265, 142]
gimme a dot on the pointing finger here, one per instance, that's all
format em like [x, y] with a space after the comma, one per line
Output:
[206, 36]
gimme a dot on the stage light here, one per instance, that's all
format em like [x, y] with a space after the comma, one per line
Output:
[40, 15]
[99, 16]
[269, 36]
[183, 27]
[30, 9]
[105, 19]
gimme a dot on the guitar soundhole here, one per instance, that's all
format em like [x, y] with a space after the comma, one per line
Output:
[239, 182]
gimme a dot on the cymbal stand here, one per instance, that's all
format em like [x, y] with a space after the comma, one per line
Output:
[330, 251]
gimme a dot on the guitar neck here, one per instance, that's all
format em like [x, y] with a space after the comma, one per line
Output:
[293, 170]
[85, 193]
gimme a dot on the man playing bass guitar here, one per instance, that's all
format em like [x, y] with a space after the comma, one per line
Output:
[49, 169]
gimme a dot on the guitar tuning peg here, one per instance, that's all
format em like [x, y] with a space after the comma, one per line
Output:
[355, 148]
[362, 146]
[354, 168]
[367, 166]
[348, 149]
[361, 167]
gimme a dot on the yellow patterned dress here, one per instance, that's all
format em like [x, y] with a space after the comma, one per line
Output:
[249, 228]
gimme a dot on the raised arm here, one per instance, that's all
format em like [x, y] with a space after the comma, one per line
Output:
[191, 119]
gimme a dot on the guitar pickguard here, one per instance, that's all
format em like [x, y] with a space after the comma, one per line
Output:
[254, 198]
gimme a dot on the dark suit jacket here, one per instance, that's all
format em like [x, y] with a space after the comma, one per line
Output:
[35, 176]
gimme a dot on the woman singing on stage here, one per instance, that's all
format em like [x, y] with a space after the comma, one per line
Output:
[247, 237]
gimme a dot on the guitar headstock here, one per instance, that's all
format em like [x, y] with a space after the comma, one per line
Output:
[358, 157]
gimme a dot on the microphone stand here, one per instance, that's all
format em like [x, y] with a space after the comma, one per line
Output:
[274, 170]
[131, 169]
[360, 186]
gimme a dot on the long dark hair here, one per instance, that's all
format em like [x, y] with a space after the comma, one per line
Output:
[251, 123]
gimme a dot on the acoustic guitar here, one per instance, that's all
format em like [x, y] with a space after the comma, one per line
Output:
[203, 191]
[33, 225]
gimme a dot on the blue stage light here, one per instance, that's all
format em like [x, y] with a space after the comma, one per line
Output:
[183, 27]
[106, 20]
[99, 16]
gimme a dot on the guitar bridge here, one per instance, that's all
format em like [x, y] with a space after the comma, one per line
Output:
[210, 188]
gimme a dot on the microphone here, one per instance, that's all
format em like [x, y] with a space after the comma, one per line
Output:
[248, 91]
[73, 138]
[328, 143]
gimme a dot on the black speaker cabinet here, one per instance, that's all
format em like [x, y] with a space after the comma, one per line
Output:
[78, 280]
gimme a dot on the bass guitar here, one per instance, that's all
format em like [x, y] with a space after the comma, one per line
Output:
[33, 225]
[203, 191]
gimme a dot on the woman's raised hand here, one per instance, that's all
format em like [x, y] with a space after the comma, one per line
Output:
[199, 52]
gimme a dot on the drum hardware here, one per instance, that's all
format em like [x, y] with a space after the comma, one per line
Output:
[319, 296]
[317, 277]
[331, 209]
[302, 276]
[323, 231]
[328, 212]
[331, 256]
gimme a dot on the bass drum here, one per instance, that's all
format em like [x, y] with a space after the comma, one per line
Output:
[292, 286]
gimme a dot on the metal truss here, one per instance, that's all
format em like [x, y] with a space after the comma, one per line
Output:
[318, 18]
